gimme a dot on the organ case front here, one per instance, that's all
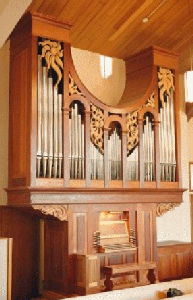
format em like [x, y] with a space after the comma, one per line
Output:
[96, 167]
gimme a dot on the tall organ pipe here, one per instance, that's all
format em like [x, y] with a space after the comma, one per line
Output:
[50, 126]
[76, 133]
[49, 133]
[60, 134]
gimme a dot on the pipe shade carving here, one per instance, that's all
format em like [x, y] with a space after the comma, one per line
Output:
[53, 53]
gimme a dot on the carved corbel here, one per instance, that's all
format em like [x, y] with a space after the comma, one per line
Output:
[162, 208]
[58, 211]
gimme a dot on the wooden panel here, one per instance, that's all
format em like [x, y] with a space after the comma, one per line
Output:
[175, 261]
[18, 118]
[24, 231]
[56, 256]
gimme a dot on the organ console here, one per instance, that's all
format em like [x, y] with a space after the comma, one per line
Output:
[97, 172]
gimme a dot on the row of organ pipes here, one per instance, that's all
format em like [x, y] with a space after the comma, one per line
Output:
[49, 142]
[50, 139]
[148, 148]
[167, 140]
[76, 133]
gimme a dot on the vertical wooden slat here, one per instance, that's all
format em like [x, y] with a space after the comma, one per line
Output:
[87, 149]
[141, 153]
[106, 158]
[124, 158]
[177, 128]
[33, 55]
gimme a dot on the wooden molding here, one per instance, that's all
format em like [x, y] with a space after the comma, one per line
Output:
[58, 211]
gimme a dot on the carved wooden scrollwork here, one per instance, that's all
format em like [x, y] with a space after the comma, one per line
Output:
[58, 211]
[165, 83]
[97, 127]
[73, 88]
[162, 208]
[53, 53]
[132, 131]
[151, 101]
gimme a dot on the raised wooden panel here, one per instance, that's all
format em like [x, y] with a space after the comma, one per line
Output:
[175, 261]
[24, 230]
[19, 123]
[56, 256]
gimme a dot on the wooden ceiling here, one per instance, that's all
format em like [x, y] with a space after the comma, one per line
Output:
[115, 27]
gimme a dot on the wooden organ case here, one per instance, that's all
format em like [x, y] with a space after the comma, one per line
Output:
[102, 172]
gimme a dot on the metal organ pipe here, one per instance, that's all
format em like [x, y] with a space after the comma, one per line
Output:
[76, 134]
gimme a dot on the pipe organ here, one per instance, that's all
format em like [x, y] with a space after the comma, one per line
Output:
[95, 173]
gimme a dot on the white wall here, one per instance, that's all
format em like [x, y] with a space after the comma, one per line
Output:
[176, 225]
[4, 120]
[108, 90]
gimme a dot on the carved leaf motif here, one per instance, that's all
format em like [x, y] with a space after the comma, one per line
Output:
[53, 53]
[165, 83]
[58, 211]
[73, 88]
[97, 127]
[162, 208]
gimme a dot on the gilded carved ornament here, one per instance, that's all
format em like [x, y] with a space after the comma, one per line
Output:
[53, 53]
[165, 83]
[58, 211]
[132, 130]
[162, 208]
[73, 88]
[97, 127]
[150, 102]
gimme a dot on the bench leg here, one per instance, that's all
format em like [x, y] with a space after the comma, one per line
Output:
[151, 276]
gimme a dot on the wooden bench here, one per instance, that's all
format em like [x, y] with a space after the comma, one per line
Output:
[112, 270]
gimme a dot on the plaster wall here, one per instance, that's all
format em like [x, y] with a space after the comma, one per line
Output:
[108, 90]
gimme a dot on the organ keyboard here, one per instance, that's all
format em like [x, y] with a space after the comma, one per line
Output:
[114, 234]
